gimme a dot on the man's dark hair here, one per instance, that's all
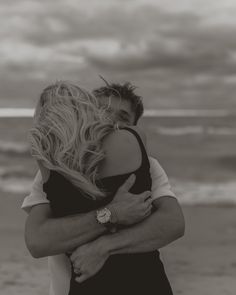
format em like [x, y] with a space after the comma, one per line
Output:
[124, 91]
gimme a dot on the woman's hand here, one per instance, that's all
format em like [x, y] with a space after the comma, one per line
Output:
[88, 259]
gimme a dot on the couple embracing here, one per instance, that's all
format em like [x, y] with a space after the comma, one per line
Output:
[100, 207]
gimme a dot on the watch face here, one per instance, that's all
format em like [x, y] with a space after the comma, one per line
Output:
[103, 215]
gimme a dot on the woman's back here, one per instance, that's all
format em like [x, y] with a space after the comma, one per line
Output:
[125, 270]
[116, 168]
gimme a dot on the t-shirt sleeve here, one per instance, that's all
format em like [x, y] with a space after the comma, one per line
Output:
[36, 196]
[160, 183]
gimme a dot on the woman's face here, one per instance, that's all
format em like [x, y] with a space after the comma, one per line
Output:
[118, 110]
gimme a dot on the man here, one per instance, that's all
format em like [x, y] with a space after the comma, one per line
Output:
[46, 236]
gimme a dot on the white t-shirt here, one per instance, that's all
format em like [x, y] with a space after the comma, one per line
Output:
[59, 265]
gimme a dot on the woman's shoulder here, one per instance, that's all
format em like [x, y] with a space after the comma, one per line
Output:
[141, 133]
[123, 153]
[123, 140]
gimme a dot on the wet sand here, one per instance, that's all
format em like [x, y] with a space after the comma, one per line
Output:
[204, 261]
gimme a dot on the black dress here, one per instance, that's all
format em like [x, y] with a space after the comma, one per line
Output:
[123, 274]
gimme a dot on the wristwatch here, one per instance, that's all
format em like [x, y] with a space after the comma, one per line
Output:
[104, 217]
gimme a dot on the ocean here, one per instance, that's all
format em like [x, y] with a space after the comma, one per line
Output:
[195, 147]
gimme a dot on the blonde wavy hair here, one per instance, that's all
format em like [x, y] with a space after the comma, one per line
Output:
[67, 134]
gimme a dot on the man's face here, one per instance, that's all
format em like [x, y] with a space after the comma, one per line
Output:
[118, 110]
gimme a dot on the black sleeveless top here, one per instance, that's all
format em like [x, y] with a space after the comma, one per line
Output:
[140, 273]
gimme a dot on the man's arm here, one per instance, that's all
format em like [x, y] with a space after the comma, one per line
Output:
[164, 226]
[161, 228]
[160, 182]
[46, 235]
[158, 230]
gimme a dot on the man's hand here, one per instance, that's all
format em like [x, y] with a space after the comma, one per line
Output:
[128, 208]
[88, 260]
[46, 235]
[165, 225]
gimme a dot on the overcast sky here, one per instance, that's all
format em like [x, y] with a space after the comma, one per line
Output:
[180, 53]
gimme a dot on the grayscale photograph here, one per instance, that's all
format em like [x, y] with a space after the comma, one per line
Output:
[118, 147]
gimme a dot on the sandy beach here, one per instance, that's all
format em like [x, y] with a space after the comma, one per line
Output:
[203, 262]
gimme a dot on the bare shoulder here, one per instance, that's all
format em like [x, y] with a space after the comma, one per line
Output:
[141, 133]
[123, 154]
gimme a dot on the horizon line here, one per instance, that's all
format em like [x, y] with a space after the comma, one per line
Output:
[28, 112]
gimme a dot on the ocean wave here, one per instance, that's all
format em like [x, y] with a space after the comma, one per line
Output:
[187, 192]
[15, 185]
[221, 131]
[16, 113]
[188, 113]
[180, 130]
[197, 193]
[28, 112]
[22, 149]
[12, 147]
[188, 130]
[15, 171]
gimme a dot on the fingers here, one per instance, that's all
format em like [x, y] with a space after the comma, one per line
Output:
[81, 278]
[148, 207]
[126, 186]
[77, 271]
[147, 212]
[149, 200]
[76, 265]
[73, 256]
[144, 196]
[82, 275]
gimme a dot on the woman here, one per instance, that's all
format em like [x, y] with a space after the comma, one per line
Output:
[77, 147]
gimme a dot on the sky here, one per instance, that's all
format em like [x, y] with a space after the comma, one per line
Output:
[179, 54]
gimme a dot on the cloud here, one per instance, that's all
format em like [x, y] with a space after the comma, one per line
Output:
[168, 48]
[188, 48]
[115, 37]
